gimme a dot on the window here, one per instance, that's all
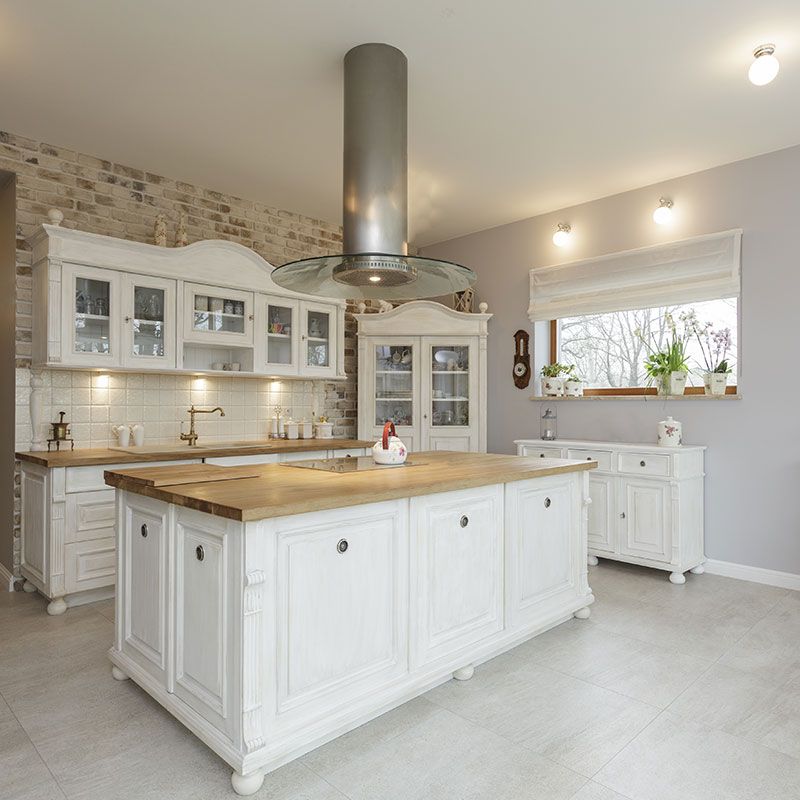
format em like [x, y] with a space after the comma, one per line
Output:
[608, 351]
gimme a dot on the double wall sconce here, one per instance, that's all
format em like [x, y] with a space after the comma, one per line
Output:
[765, 66]
[562, 236]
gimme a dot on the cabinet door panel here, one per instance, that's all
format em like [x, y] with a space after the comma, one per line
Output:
[89, 565]
[217, 315]
[277, 335]
[90, 515]
[341, 605]
[318, 339]
[145, 562]
[204, 594]
[457, 542]
[602, 514]
[150, 328]
[647, 519]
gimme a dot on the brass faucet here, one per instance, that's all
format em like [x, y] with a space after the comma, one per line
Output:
[191, 437]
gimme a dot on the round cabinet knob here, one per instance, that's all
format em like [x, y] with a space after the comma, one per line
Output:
[464, 521]
[541, 455]
[127, 319]
[144, 531]
[341, 545]
[199, 552]
[622, 515]
[547, 502]
[642, 463]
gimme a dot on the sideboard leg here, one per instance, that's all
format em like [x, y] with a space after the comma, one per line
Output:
[583, 613]
[677, 578]
[117, 674]
[28, 587]
[698, 570]
[247, 784]
[56, 606]
[592, 561]
[464, 673]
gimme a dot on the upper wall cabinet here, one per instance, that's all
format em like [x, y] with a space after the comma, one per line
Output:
[107, 303]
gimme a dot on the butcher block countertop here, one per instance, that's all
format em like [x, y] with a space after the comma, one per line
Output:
[84, 457]
[281, 490]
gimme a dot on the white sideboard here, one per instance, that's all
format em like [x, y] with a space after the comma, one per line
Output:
[107, 303]
[647, 501]
[423, 366]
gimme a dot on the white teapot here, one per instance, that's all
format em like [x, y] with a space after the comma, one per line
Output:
[389, 450]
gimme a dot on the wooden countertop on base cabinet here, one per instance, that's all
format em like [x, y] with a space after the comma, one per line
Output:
[282, 491]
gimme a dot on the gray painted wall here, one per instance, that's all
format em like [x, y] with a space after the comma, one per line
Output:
[8, 255]
[753, 457]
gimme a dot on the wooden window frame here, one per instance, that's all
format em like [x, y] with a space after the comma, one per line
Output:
[622, 391]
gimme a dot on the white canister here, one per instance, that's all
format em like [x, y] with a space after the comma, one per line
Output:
[272, 427]
[324, 430]
[292, 429]
[306, 430]
[670, 433]
[138, 435]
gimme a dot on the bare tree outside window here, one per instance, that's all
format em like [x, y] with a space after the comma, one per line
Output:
[608, 353]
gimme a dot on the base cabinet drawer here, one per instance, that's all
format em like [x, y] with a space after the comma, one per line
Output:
[90, 515]
[457, 571]
[89, 565]
[644, 464]
[602, 457]
[540, 452]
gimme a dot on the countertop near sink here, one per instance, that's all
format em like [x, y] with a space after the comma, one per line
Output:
[169, 452]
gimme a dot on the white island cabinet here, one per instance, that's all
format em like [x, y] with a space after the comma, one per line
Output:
[647, 501]
[268, 632]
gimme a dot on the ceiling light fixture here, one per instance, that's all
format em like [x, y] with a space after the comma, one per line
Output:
[562, 236]
[765, 66]
[663, 214]
[375, 278]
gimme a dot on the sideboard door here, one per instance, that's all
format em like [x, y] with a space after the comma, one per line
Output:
[602, 513]
[646, 524]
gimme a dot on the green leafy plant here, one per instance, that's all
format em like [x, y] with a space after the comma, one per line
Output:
[555, 369]
[671, 357]
[573, 376]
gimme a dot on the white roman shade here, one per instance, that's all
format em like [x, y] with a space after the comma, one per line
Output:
[702, 268]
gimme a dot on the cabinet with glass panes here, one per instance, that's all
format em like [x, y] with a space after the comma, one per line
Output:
[394, 384]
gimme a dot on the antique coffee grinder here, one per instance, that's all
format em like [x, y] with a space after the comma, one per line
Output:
[60, 433]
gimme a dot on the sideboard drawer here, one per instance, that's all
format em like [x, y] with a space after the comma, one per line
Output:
[602, 457]
[644, 464]
[541, 452]
[90, 515]
[89, 565]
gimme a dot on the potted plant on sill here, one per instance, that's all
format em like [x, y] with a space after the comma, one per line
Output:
[552, 382]
[573, 385]
[714, 346]
[666, 365]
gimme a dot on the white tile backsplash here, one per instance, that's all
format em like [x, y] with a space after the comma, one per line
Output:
[94, 403]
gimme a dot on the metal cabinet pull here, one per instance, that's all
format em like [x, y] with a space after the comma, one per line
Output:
[642, 463]
[622, 515]
[464, 521]
[541, 455]
[341, 546]
[588, 458]
[547, 502]
[127, 319]
[144, 530]
[199, 552]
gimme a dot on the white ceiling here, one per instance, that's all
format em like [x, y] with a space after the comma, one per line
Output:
[516, 107]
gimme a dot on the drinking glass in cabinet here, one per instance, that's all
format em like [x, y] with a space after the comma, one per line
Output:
[148, 321]
[92, 310]
[318, 339]
[218, 314]
[279, 334]
[394, 384]
[450, 385]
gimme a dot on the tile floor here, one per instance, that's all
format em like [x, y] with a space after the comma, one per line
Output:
[666, 692]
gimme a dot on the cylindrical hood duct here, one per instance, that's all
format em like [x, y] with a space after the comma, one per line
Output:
[375, 196]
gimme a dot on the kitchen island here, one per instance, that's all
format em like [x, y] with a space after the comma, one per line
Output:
[271, 608]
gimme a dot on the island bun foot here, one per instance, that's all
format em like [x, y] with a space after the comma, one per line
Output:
[677, 578]
[247, 784]
[118, 675]
[56, 606]
[464, 673]
[28, 587]
[698, 570]
[592, 561]
[583, 613]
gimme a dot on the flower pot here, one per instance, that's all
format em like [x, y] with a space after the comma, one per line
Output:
[675, 382]
[573, 388]
[715, 382]
[553, 387]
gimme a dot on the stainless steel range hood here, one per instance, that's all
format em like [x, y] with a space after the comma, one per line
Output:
[375, 263]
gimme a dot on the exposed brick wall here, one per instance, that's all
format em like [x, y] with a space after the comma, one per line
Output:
[104, 197]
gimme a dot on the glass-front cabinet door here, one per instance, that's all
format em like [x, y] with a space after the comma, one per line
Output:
[90, 316]
[216, 315]
[395, 387]
[450, 391]
[149, 332]
[318, 339]
[277, 335]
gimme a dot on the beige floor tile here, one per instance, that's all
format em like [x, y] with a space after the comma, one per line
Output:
[447, 757]
[770, 650]
[594, 791]
[570, 721]
[674, 758]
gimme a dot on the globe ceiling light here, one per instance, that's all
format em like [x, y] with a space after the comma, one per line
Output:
[765, 66]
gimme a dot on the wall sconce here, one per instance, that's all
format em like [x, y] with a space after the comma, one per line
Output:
[765, 66]
[663, 214]
[562, 236]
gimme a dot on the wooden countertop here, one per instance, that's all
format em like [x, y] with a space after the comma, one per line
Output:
[83, 457]
[280, 490]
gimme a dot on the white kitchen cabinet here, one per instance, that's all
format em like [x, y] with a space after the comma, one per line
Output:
[457, 599]
[149, 332]
[277, 335]
[647, 501]
[423, 366]
[318, 336]
[217, 316]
